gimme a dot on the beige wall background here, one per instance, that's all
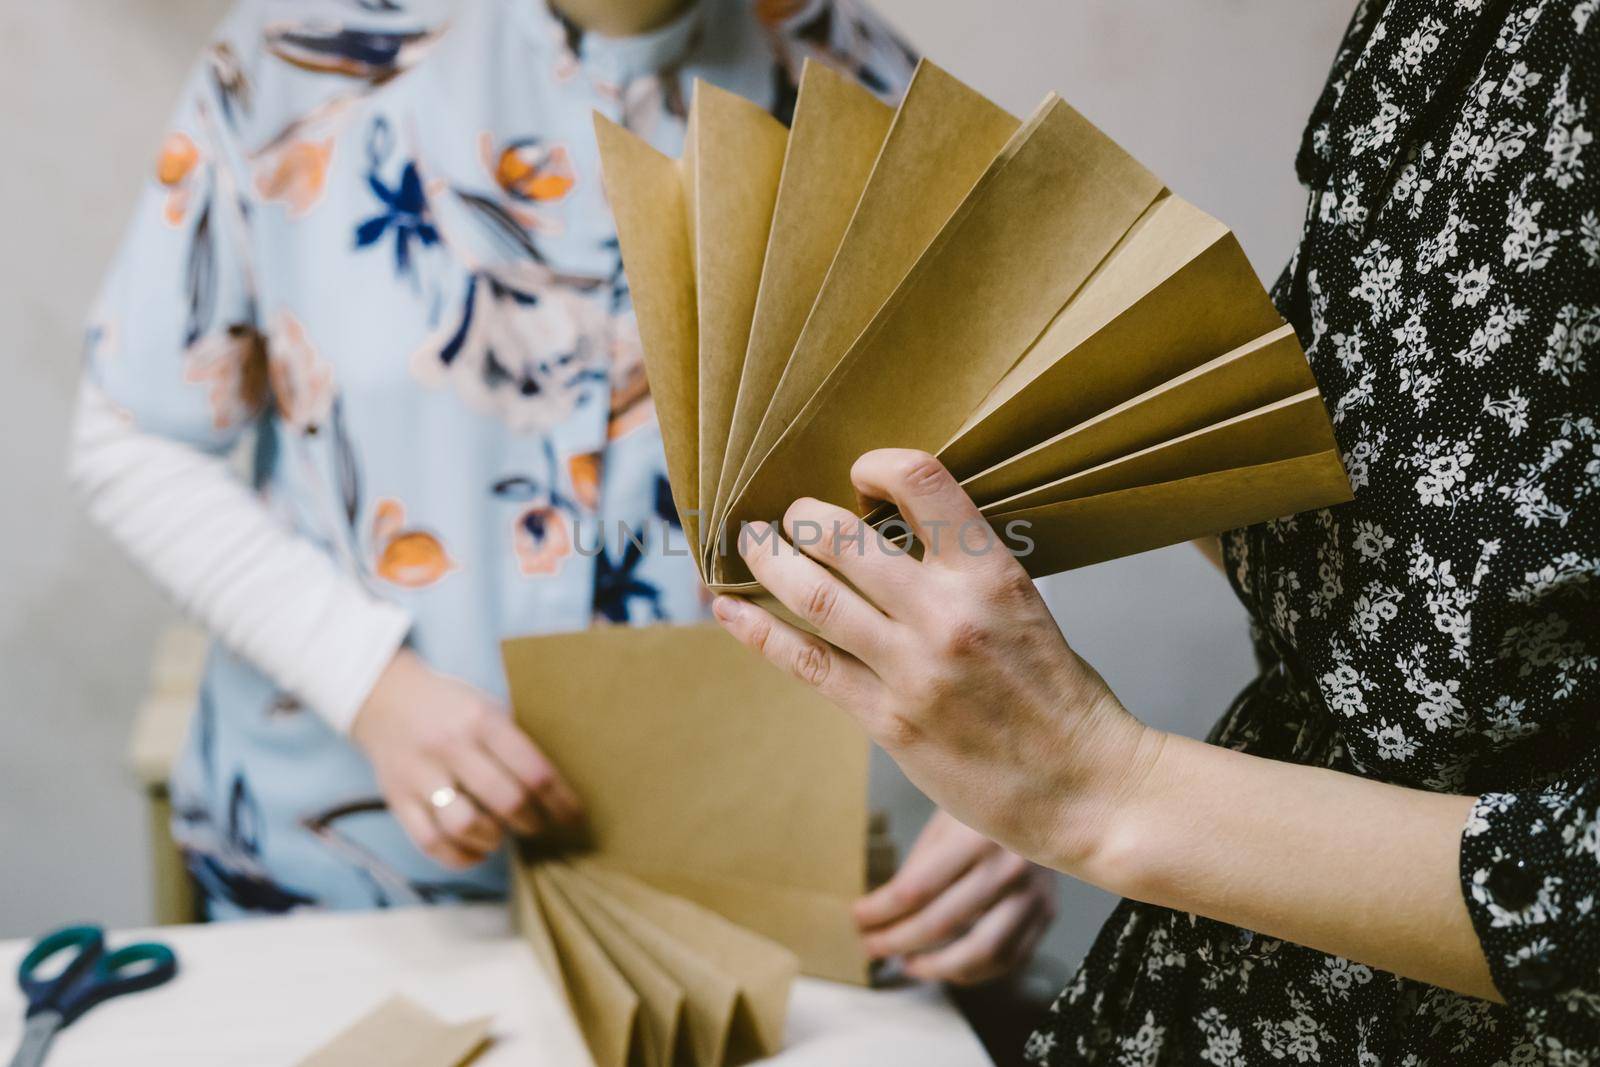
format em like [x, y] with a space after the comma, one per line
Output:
[1211, 93]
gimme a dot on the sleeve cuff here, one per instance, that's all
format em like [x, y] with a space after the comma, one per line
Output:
[341, 667]
[1523, 874]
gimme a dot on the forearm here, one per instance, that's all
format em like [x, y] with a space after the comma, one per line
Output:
[269, 595]
[1356, 868]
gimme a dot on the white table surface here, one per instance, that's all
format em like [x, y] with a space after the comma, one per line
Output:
[266, 992]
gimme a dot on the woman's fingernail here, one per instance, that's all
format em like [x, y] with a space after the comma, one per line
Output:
[754, 535]
[725, 608]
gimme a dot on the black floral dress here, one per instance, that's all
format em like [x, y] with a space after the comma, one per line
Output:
[1442, 631]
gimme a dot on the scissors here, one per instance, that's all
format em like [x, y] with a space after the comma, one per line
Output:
[91, 975]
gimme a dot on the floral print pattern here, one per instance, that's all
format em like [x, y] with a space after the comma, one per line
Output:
[373, 249]
[1440, 631]
[174, 166]
[405, 555]
[844, 36]
[232, 364]
[295, 175]
[522, 350]
[402, 216]
[302, 381]
[532, 174]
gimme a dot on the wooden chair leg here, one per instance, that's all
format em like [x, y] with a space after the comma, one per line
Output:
[161, 722]
[172, 890]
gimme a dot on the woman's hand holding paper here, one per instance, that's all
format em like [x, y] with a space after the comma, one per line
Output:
[953, 663]
[454, 769]
[956, 668]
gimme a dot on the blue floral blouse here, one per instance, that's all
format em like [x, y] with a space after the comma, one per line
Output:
[376, 245]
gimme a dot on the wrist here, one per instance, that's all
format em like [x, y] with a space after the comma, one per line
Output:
[1148, 848]
[393, 680]
[1106, 836]
[341, 668]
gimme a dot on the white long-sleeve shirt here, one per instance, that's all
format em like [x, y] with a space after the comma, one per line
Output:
[267, 593]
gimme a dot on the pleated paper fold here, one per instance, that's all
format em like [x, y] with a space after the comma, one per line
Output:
[1023, 299]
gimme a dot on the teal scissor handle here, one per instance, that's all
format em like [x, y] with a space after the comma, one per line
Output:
[93, 974]
[86, 943]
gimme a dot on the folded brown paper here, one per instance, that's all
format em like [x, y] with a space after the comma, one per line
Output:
[1296, 424]
[652, 980]
[1263, 370]
[838, 130]
[1049, 209]
[1027, 301]
[1174, 293]
[710, 994]
[710, 774]
[648, 197]
[728, 837]
[708, 952]
[603, 999]
[401, 1033]
[737, 158]
[942, 140]
[1076, 533]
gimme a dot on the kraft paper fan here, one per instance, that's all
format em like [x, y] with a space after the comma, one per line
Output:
[676, 932]
[1090, 354]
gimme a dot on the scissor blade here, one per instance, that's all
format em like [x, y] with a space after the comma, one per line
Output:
[36, 1037]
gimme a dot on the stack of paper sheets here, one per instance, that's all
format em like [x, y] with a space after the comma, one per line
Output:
[1087, 352]
[729, 837]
